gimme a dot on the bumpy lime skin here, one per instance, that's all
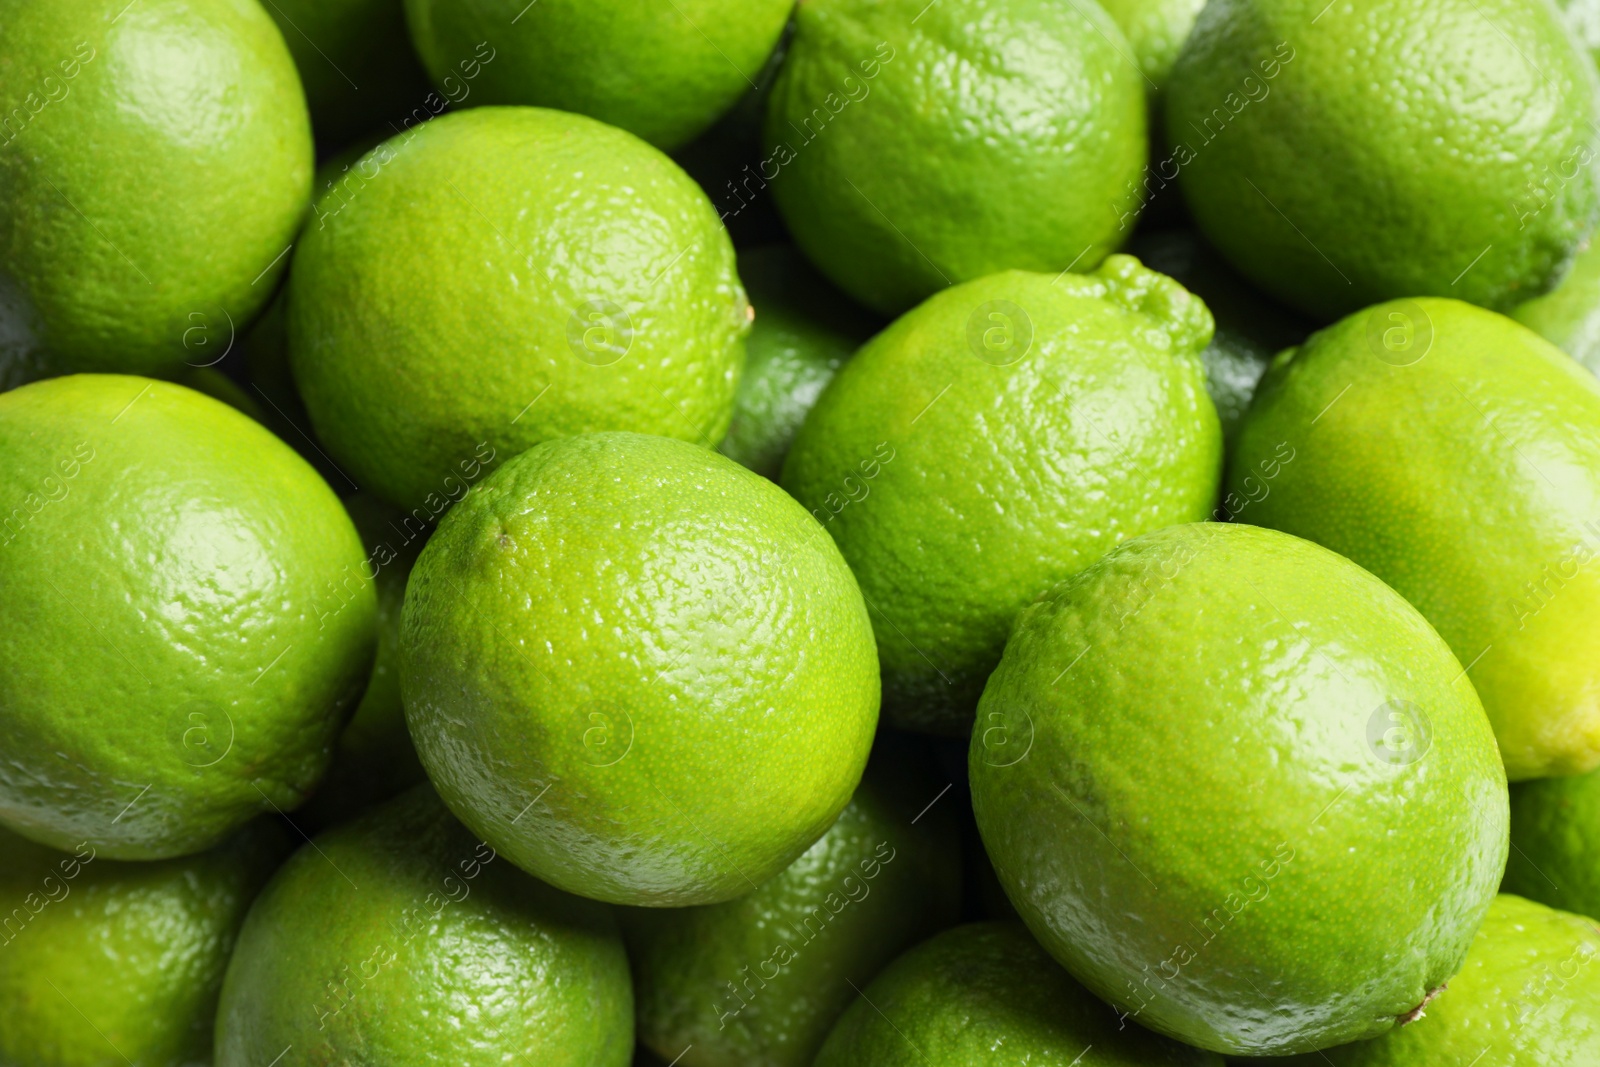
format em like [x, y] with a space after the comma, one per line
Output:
[401, 939]
[1347, 155]
[155, 163]
[504, 276]
[915, 146]
[639, 670]
[986, 992]
[1280, 840]
[1568, 316]
[1156, 30]
[134, 950]
[663, 71]
[962, 481]
[184, 617]
[1459, 464]
[803, 332]
[357, 65]
[759, 981]
[1529, 993]
[1555, 834]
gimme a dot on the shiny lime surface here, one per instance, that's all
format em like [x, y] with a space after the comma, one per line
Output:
[1555, 834]
[1569, 315]
[1280, 839]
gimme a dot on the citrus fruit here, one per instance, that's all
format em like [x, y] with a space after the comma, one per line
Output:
[1251, 327]
[104, 962]
[1454, 454]
[1281, 837]
[1156, 30]
[987, 993]
[900, 177]
[1343, 154]
[155, 163]
[640, 671]
[183, 617]
[1529, 993]
[687, 61]
[357, 64]
[759, 981]
[1568, 316]
[509, 275]
[1583, 19]
[399, 938]
[1555, 834]
[374, 758]
[1000, 437]
[803, 332]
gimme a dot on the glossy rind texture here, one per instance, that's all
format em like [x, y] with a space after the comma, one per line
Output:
[1555, 837]
[497, 277]
[1241, 790]
[185, 617]
[912, 146]
[104, 962]
[987, 993]
[400, 939]
[997, 439]
[759, 981]
[1156, 31]
[642, 672]
[663, 71]
[1347, 154]
[1456, 455]
[155, 164]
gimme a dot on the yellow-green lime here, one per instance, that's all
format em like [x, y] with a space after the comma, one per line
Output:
[400, 939]
[639, 670]
[1456, 455]
[912, 146]
[1555, 831]
[995, 440]
[506, 276]
[105, 963]
[184, 617]
[1156, 30]
[155, 164]
[1568, 316]
[1241, 790]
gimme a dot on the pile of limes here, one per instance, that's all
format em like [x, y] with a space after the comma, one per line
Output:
[853, 533]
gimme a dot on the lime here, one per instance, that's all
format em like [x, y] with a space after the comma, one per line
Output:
[1000, 437]
[1555, 834]
[1241, 790]
[803, 332]
[639, 670]
[184, 618]
[1569, 315]
[686, 61]
[1156, 30]
[1456, 455]
[155, 162]
[401, 939]
[987, 993]
[900, 176]
[1343, 153]
[509, 275]
[1583, 19]
[759, 981]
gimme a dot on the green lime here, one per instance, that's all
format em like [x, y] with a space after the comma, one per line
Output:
[106, 963]
[1456, 455]
[400, 939]
[1251, 327]
[664, 71]
[999, 438]
[509, 275]
[1342, 153]
[1569, 315]
[803, 332]
[639, 670]
[1555, 838]
[1583, 19]
[1156, 30]
[1241, 790]
[357, 65]
[155, 162]
[987, 993]
[184, 618]
[1529, 993]
[900, 176]
[759, 981]
[374, 758]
